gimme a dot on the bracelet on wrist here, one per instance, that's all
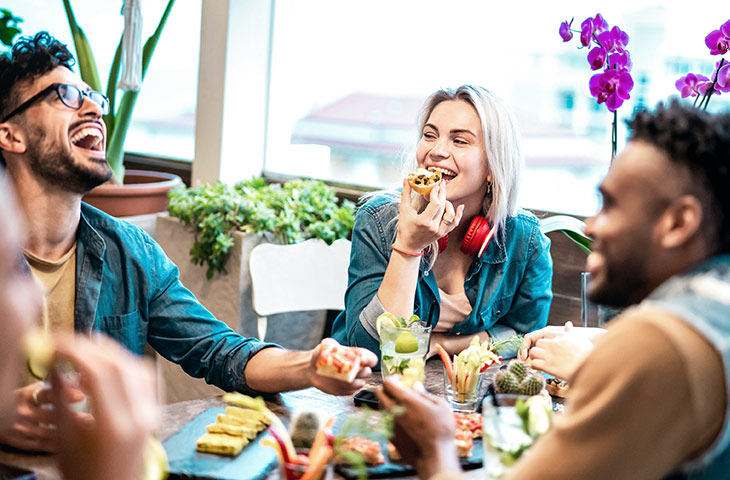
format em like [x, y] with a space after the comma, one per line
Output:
[406, 252]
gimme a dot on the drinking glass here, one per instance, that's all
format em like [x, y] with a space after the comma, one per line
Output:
[504, 439]
[588, 309]
[294, 471]
[403, 349]
[465, 398]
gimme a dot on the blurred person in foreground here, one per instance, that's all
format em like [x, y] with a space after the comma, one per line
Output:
[119, 387]
[104, 274]
[651, 399]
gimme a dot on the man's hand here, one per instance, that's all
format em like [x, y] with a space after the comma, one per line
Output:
[33, 428]
[338, 387]
[559, 351]
[121, 394]
[424, 428]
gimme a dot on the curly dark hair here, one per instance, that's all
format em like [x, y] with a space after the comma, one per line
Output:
[29, 58]
[700, 142]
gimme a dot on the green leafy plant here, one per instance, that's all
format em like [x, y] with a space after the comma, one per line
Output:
[572, 227]
[8, 27]
[284, 214]
[120, 113]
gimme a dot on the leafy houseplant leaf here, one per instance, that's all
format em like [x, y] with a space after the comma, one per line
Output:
[8, 27]
[119, 118]
[284, 214]
[572, 227]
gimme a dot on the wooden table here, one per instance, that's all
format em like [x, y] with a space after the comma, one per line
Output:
[176, 415]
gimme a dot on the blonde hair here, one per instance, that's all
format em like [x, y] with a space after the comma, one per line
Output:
[502, 145]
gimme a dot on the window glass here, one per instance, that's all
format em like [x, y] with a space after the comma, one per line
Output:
[163, 122]
[348, 78]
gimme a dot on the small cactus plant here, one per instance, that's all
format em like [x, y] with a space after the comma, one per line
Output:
[518, 379]
[532, 385]
[519, 369]
[506, 382]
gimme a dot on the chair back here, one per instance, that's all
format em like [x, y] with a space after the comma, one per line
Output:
[310, 275]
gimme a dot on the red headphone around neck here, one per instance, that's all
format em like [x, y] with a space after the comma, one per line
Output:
[476, 239]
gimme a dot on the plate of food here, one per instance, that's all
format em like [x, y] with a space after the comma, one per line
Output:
[221, 443]
[384, 461]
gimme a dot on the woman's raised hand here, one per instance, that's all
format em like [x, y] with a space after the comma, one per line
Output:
[418, 230]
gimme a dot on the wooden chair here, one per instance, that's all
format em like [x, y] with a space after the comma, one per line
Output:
[291, 278]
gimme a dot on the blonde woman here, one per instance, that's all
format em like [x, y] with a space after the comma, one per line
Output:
[418, 254]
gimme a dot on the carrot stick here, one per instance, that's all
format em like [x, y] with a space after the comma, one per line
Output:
[319, 460]
[447, 363]
[321, 437]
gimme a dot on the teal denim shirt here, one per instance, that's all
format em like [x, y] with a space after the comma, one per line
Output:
[127, 288]
[509, 287]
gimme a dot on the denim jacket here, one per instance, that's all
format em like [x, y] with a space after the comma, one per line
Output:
[127, 288]
[509, 287]
[701, 297]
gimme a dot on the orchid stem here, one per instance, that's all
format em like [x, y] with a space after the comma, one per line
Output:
[706, 100]
[614, 134]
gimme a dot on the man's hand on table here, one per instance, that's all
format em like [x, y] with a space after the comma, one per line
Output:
[424, 428]
[33, 428]
[338, 387]
[557, 350]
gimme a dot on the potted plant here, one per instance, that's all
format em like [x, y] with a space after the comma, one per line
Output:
[8, 27]
[133, 192]
[209, 234]
[211, 230]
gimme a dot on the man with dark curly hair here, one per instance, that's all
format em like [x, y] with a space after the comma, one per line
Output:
[103, 274]
[651, 399]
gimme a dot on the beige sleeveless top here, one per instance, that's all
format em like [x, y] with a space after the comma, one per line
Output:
[454, 309]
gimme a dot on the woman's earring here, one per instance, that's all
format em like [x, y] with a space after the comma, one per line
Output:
[489, 188]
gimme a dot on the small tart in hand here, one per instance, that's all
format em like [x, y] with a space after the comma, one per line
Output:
[339, 362]
[423, 180]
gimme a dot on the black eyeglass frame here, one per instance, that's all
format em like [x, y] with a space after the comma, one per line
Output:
[56, 87]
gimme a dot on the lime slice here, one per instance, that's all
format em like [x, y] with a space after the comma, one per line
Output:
[414, 318]
[406, 343]
[39, 351]
[386, 319]
[155, 460]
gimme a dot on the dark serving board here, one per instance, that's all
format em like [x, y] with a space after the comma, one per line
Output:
[397, 469]
[253, 463]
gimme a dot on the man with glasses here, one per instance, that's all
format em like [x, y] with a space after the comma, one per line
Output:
[102, 274]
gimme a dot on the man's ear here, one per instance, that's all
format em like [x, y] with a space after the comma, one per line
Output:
[12, 139]
[682, 219]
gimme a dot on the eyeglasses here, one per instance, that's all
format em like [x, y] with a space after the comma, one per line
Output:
[70, 95]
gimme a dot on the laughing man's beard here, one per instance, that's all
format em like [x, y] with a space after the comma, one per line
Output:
[56, 166]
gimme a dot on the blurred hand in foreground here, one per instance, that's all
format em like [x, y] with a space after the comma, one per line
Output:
[424, 428]
[120, 390]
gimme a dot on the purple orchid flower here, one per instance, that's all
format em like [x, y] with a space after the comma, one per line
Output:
[689, 85]
[597, 58]
[611, 87]
[591, 26]
[565, 32]
[718, 41]
[621, 61]
[614, 41]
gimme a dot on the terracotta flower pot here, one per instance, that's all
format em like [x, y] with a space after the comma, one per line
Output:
[143, 193]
